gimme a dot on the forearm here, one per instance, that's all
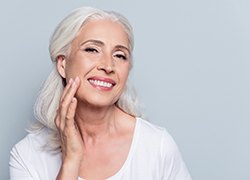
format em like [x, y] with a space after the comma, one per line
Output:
[69, 170]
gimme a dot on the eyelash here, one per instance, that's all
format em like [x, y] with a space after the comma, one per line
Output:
[93, 50]
[120, 56]
[90, 50]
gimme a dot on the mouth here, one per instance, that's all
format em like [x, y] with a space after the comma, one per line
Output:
[102, 83]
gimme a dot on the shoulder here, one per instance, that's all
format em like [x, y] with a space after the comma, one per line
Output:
[29, 158]
[152, 131]
[155, 137]
[35, 140]
[30, 144]
[159, 144]
[158, 141]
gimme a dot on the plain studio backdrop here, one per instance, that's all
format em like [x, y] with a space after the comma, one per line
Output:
[191, 71]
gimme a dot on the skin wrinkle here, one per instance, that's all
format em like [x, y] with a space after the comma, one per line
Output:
[104, 129]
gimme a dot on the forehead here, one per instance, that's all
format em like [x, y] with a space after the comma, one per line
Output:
[105, 30]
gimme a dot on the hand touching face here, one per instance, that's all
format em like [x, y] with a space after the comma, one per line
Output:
[100, 57]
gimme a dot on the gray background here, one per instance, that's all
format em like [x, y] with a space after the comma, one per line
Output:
[191, 72]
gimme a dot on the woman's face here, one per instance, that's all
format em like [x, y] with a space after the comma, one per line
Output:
[100, 57]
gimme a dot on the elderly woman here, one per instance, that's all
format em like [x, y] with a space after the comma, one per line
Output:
[88, 124]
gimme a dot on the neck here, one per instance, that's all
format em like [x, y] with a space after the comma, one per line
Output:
[96, 122]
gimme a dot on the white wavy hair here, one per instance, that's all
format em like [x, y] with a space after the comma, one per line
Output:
[49, 96]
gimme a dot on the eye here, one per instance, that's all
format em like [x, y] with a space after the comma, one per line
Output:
[91, 50]
[120, 55]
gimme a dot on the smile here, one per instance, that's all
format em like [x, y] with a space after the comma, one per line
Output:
[102, 83]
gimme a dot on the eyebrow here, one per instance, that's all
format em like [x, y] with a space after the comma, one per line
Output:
[93, 41]
[98, 42]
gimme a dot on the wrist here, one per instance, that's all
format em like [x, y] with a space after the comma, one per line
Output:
[71, 163]
[69, 170]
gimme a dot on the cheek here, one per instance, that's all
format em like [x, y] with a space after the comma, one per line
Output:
[124, 74]
[78, 67]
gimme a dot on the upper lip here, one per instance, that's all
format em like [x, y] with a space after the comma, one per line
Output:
[104, 79]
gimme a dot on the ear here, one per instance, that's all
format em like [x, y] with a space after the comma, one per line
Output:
[61, 64]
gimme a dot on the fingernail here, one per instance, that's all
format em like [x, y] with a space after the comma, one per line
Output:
[70, 81]
[73, 100]
[77, 79]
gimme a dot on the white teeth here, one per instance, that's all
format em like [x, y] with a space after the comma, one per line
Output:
[100, 83]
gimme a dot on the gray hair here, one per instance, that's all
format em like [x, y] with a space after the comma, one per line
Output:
[49, 96]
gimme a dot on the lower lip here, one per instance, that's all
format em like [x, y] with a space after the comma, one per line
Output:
[102, 88]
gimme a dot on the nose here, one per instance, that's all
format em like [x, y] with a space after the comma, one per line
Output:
[107, 64]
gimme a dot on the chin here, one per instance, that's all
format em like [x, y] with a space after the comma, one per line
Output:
[98, 101]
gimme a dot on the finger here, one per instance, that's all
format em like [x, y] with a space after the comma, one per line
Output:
[60, 120]
[59, 129]
[60, 124]
[68, 98]
[69, 120]
[57, 120]
[70, 88]
[67, 87]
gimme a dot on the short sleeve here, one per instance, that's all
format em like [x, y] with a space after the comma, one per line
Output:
[17, 168]
[173, 166]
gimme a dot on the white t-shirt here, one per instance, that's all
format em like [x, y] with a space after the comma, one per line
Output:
[153, 155]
